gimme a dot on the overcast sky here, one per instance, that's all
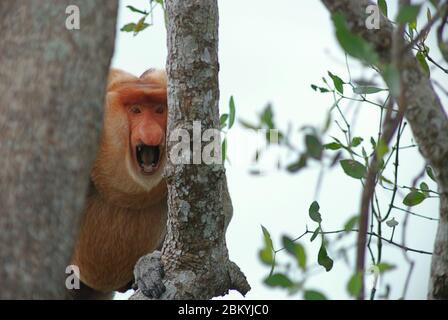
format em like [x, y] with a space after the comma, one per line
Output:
[272, 52]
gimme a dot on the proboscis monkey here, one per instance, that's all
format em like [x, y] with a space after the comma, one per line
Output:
[126, 210]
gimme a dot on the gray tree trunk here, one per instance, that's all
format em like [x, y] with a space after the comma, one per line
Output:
[52, 83]
[194, 253]
[428, 121]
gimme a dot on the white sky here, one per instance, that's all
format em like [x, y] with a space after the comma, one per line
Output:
[272, 52]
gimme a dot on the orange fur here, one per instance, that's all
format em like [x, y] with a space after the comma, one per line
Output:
[125, 215]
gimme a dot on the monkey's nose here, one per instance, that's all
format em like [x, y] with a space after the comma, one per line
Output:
[151, 135]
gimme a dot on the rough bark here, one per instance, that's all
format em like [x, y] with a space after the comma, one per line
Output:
[52, 83]
[194, 253]
[426, 117]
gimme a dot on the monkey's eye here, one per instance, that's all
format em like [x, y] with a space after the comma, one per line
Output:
[135, 109]
[160, 108]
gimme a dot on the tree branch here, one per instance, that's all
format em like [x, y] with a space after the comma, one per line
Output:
[426, 116]
[52, 85]
[194, 253]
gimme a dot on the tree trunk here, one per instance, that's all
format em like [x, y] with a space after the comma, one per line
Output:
[52, 83]
[426, 117]
[194, 253]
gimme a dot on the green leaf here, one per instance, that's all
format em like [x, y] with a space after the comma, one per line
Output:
[316, 88]
[384, 179]
[373, 142]
[141, 25]
[381, 164]
[328, 121]
[266, 256]
[391, 76]
[128, 27]
[384, 266]
[354, 45]
[383, 6]
[381, 149]
[337, 140]
[278, 280]
[315, 234]
[333, 146]
[314, 212]
[430, 173]
[367, 90]
[408, 14]
[353, 168]
[314, 146]
[314, 295]
[364, 155]
[267, 238]
[248, 125]
[422, 60]
[267, 253]
[223, 120]
[425, 188]
[351, 223]
[356, 141]
[414, 198]
[267, 117]
[338, 83]
[392, 223]
[354, 285]
[231, 112]
[224, 150]
[133, 9]
[297, 250]
[323, 259]
[298, 165]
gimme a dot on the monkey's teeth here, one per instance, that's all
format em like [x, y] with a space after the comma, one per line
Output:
[148, 168]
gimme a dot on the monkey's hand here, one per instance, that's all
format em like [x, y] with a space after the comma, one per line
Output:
[148, 275]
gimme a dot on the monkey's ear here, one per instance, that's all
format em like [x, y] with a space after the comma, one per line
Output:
[117, 77]
[147, 72]
[154, 76]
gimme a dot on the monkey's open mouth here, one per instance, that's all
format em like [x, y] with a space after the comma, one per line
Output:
[148, 158]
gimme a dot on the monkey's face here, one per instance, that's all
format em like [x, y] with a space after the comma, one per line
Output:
[132, 153]
[147, 127]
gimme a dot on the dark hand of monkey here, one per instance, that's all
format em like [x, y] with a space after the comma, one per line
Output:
[148, 275]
